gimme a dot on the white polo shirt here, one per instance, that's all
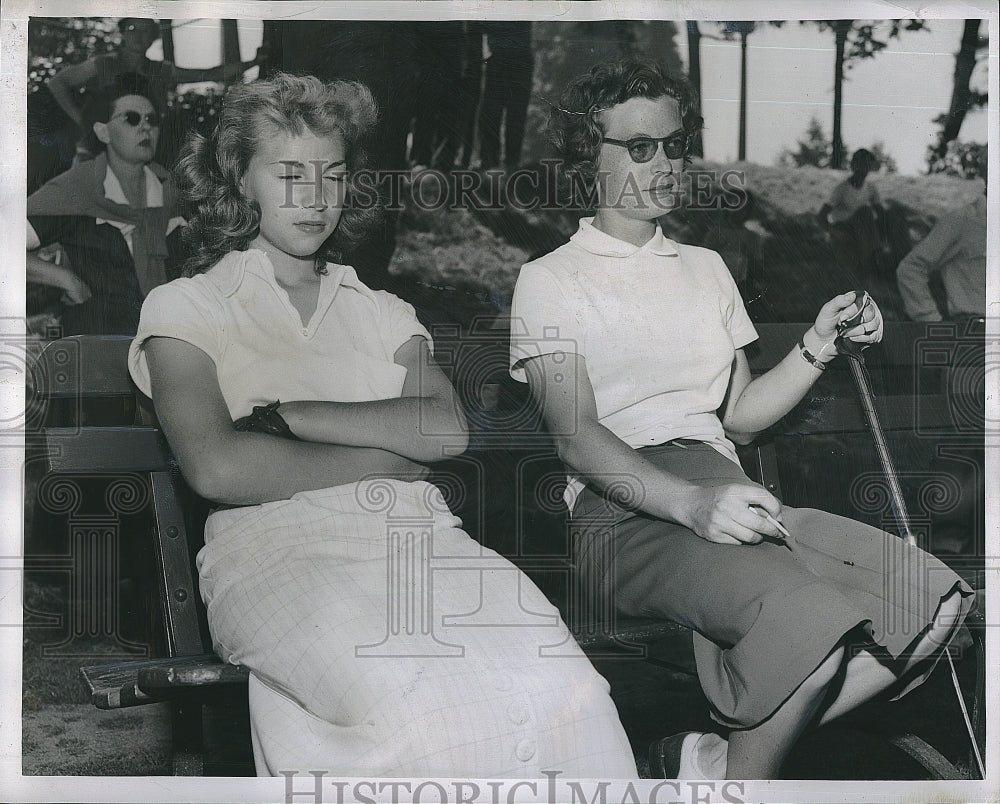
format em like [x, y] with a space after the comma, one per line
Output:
[658, 325]
[241, 318]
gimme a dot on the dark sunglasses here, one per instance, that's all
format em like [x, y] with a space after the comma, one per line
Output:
[643, 149]
[134, 118]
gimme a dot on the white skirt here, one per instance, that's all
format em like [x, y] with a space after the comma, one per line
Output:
[383, 641]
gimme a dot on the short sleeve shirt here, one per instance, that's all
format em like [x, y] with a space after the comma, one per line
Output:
[658, 326]
[244, 321]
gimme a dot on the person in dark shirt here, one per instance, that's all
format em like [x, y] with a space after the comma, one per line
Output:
[111, 215]
[100, 72]
[509, 70]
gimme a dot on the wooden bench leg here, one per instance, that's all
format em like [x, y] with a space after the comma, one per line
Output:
[188, 755]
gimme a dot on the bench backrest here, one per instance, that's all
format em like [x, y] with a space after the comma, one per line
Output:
[81, 368]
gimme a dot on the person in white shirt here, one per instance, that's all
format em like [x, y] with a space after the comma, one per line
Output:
[381, 639]
[855, 216]
[955, 248]
[632, 345]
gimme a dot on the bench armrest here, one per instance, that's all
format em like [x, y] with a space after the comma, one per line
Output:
[136, 683]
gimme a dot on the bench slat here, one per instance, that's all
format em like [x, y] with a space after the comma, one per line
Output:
[625, 632]
[819, 415]
[178, 592]
[115, 686]
[106, 449]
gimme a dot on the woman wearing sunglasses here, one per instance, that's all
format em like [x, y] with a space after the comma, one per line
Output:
[632, 345]
[111, 215]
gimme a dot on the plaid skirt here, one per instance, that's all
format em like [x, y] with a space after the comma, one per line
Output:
[764, 615]
[383, 641]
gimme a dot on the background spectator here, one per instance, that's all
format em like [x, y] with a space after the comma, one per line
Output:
[956, 249]
[509, 70]
[111, 214]
[100, 72]
[436, 129]
[854, 213]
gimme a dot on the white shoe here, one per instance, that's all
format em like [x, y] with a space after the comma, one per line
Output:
[676, 757]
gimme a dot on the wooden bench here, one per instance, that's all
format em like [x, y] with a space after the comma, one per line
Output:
[189, 676]
[78, 370]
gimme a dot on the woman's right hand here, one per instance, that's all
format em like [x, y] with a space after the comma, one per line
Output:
[75, 290]
[723, 514]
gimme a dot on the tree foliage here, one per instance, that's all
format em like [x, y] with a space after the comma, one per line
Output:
[865, 44]
[816, 150]
[57, 42]
[964, 96]
[962, 159]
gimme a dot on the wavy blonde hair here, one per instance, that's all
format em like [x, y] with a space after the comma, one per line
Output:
[220, 217]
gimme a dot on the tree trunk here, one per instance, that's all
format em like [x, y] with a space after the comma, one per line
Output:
[841, 29]
[273, 41]
[743, 97]
[961, 94]
[694, 55]
[230, 42]
[167, 38]
[694, 72]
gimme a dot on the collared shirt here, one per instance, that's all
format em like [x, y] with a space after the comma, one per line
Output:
[154, 198]
[113, 192]
[956, 247]
[244, 321]
[657, 324]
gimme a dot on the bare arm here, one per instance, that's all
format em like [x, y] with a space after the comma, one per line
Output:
[566, 396]
[43, 272]
[65, 83]
[754, 405]
[227, 466]
[426, 423]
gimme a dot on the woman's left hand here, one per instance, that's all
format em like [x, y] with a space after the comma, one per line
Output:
[820, 338]
[870, 328]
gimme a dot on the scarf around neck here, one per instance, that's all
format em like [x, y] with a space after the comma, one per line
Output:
[80, 191]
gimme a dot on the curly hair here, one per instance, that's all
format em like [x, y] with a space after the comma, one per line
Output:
[575, 125]
[209, 171]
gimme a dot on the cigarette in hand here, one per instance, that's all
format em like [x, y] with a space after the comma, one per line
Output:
[772, 520]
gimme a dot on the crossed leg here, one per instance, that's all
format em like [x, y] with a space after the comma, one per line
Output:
[758, 752]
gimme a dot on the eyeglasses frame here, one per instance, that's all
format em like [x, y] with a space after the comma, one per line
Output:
[155, 122]
[660, 141]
